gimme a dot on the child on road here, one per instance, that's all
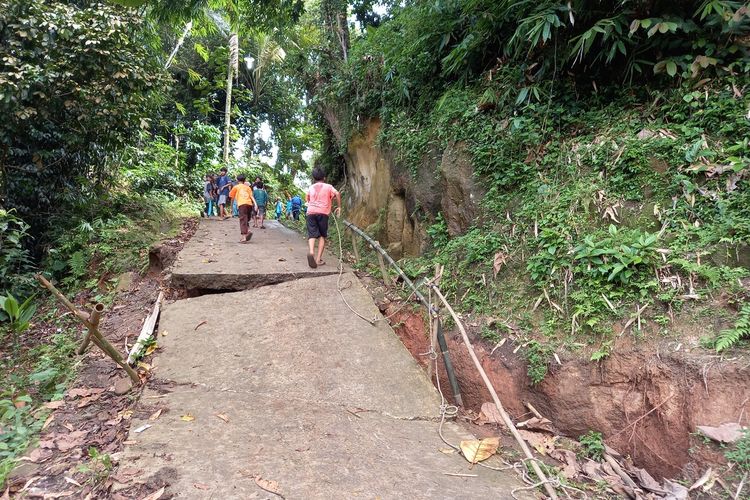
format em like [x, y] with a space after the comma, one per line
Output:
[279, 208]
[319, 202]
[243, 195]
[223, 184]
[261, 199]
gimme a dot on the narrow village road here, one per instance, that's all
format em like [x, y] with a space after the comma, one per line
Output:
[280, 387]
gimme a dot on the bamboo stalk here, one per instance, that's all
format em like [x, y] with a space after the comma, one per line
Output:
[147, 331]
[384, 271]
[506, 418]
[94, 318]
[355, 247]
[96, 336]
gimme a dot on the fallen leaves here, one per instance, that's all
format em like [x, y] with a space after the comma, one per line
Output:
[156, 414]
[501, 258]
[223, 417]
[489, 414]
[269, 485]
[84, 391]
[156, 495]
[188, 417]
[477, 450]
[150, 349]
[538, 424]
[201, 486]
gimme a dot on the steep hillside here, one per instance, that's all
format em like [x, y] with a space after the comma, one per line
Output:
[582, 211]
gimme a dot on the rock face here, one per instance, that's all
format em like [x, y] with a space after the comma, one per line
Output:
[397, 203]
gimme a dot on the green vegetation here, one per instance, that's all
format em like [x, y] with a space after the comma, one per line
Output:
[592, 445]
[740, 452]
[610, 144]
[741, 330]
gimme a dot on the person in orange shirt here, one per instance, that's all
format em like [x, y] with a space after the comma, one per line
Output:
[243, 195]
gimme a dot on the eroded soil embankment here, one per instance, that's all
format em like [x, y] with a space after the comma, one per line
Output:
[647, 404]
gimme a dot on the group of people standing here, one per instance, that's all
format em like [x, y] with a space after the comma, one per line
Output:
[250, 200]
[225, 197]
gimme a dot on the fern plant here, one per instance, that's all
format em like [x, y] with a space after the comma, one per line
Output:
[729, 337]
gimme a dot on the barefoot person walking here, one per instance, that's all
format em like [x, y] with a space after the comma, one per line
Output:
[319, 200]
[243, 195]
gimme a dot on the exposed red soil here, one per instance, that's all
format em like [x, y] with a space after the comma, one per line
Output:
[92, 414]
[647, 405]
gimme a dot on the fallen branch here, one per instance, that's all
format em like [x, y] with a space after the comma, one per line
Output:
[506, 418]
[94, 335]
[146, 332]
[94, 318]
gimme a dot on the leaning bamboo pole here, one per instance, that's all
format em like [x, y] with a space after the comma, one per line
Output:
[430, 312]
[506, 418]
[94, 318]
[94, 335]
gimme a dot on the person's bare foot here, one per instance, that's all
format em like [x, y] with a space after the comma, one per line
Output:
[321, 262]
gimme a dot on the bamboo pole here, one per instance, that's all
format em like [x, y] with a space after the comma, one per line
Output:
[431, 312]
[96, 336]
[355, 247]
[94, 318]
[384, 270]
[147, 330]
[506, 418]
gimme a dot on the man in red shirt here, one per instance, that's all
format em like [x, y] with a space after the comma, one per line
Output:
[319, 203]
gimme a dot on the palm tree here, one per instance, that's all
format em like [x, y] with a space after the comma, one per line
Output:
[264, 52]
[232, 69]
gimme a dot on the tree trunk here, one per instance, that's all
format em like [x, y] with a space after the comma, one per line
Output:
[232, 67]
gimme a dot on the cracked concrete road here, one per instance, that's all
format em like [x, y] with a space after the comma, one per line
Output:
[214, 259]
[286, 384]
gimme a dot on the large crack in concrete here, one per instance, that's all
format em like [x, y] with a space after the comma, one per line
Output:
[198, 284]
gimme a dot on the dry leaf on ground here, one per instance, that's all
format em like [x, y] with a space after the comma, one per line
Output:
[476, 450]
[223, 417]
[489, 414]
[156, 495]
[269, 485]
[155, 415]
[187, 417]
[83, 391]
[201, 486]
[150, 349]
[538, 424]
[88, 400]
[543, 443]
[497, 263]
[53, 405]
[568, 458]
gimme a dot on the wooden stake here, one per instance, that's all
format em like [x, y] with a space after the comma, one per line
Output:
[147, 331]
[506, 418]
[96, 337]
[355, 247]
[94, 320]
[383, 269]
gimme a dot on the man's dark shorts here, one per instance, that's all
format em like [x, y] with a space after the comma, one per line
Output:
[317, 226]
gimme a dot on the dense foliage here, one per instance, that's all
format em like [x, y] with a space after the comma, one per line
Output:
[610, 139]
